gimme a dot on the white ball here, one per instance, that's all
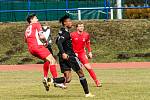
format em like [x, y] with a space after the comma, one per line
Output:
[45, 28]
[47, 33]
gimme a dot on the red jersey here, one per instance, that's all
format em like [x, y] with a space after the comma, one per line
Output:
[80, 41]
[32, 34]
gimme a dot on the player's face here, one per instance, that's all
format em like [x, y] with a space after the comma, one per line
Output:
[68, 23]
[34, 19]
[80, 28]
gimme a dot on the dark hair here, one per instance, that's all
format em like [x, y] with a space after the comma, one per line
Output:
[62, 19]
[79, 23]
[29, 17]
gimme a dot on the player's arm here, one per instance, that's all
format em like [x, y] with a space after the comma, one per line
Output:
[88, 46]
[59, 43]
[41, 35]
[40, 31]
[25, 39]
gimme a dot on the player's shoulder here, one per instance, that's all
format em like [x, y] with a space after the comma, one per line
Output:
[61, 31]
[73, 33]
[36, 24]
[85, 33]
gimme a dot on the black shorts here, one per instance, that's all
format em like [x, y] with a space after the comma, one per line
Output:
[72, 63]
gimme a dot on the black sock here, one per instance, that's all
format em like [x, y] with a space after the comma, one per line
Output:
[84, 84]
[59, 80]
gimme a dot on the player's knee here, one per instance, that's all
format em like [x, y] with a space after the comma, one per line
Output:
[87, 66]
[68, 80]
[80, 73]
[53, 62]
[51, 59]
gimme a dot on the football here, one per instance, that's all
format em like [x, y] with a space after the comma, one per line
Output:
[47, 33]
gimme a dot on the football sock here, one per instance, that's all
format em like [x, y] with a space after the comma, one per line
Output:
[84, 84]
[92, 74]
[53, 71]
[45, 68]
[59, 80]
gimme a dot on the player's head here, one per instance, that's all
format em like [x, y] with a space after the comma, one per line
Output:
[32, 18]
[66, 21]
[80, 27]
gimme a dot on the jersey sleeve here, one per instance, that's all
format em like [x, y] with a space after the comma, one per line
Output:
[60, 39]
[40, 33]
[25, 39]
[88, 44]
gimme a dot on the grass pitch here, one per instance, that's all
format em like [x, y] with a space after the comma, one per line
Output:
[118, 84]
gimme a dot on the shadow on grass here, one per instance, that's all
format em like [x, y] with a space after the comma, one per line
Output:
[128, 55]
[8, 54]
[47, 96]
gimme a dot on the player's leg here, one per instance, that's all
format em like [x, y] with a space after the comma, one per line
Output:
[45, 80]
[92, 74]
[43, 53]
[53, 69]
[55, 80]
[45, 69]
[54, 75]
[84, 83]
[51, 59]
[65, 69]
[76, 66]
[84, 60]
[68, 76]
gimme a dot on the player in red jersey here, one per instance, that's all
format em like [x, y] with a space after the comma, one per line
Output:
[37, 43]
[80, 40]
[47, 65]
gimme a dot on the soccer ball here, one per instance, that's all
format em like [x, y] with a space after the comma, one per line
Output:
[47, 33]
[45, 28]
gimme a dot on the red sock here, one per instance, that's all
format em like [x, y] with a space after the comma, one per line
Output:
[53, 71]
[92, 74]
[45, 68]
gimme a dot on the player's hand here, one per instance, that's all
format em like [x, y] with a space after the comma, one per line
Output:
[42, 37]
[90, 55]
[45, 44]
[65, 56]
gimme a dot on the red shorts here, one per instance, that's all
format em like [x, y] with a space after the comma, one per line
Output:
[40, 52]
[82, 57]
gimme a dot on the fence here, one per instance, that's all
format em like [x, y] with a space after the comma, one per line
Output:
[17, 10]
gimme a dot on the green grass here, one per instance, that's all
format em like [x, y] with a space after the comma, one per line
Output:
[118, 84]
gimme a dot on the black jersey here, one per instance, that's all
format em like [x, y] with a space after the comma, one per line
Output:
[64, 42]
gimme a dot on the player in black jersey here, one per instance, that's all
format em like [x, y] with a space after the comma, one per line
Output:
[67, 57]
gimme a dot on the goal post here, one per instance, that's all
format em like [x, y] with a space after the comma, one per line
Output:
[99, 9]
[119, 11]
